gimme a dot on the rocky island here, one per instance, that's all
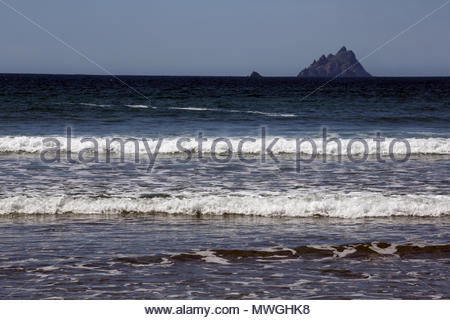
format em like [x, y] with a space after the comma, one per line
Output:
[342, 64]
[255, 75]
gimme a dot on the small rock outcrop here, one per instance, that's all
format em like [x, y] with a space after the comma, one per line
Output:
[255, 75]
[342, 64]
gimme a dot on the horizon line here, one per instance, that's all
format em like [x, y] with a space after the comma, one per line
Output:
[205, 76]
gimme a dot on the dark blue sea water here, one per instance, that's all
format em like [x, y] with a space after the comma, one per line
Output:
[224, 221]
[223, 106]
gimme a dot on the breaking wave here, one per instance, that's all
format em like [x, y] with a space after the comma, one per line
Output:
[352, 205]
[35, 144]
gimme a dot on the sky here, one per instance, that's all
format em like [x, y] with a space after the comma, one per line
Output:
[223, 38]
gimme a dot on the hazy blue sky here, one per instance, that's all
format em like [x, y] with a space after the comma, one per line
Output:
[228, 37]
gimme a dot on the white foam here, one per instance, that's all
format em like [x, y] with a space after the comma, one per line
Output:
[34, 144]
[268, 114]
[139, 106]
[210, 257]
[391, 249]
[136, 106]
[193, 109]
[96, 105]
[344, 253]
[353, 205]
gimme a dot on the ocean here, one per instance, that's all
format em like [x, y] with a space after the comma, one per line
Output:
[224, 187]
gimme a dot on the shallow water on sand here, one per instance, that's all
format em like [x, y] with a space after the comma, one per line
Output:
[167, 256]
